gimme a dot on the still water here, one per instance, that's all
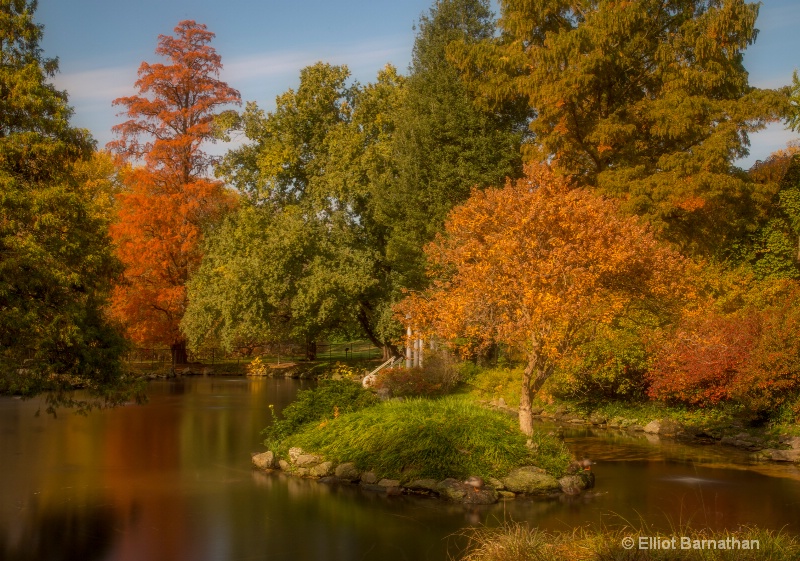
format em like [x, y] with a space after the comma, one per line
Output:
[171, 480]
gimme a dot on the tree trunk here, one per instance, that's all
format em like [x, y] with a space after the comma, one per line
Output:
[530, 387]
[525, 398]
[179, 353]
[311, 350]
[363, 319]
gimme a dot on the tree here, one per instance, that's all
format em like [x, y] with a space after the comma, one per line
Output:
[533, 266]
[646, 101]
[444, 144]
[170, 202]
[318, 162]
[55, 258]
[774, 251]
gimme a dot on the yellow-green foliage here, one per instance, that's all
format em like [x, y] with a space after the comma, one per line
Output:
[494, 383]
[257, 367]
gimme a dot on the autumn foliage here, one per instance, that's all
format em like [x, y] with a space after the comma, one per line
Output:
[534, 264]
[751, 357]
[169, 200]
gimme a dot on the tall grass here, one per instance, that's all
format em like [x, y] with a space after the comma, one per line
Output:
[429, 438]
[517, 542]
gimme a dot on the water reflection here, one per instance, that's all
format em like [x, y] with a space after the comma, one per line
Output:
[171, 480]
[73, 532]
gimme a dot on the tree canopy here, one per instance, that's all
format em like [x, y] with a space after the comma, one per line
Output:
[648, 102]
[534, 265]
[55, 259]
[170, 202]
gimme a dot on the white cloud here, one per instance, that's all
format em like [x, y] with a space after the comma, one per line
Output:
[101, 84]
[271, 64]
[763, 143]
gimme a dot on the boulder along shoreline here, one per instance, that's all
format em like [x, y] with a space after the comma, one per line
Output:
[525, 481]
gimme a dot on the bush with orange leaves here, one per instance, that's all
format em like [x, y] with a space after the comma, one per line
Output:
[750, 357]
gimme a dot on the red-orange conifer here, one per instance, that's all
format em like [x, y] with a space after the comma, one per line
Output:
[170, 199]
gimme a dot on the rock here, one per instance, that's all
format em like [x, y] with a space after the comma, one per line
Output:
[635, 427]
[284, 465]
[571, 484]
[653, 427]
[294, 453]
[321, 470]
[394, 491]
[372, 487]
[597, 419]
[307, 460]
[530, 480]
[369, 478]
[453, 489]
[793, 442]
[574, 484]
[480, 497]
[348, 472]
[506, 495]
[264, 461]
[501, 402]
[301, 472]
[430, 485]
[783, 455]
[537, 411]
[389, 483]
[496, 483]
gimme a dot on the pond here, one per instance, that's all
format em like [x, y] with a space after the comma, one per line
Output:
[171, 480]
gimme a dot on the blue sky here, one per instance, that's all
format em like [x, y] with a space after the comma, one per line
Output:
[265, 43]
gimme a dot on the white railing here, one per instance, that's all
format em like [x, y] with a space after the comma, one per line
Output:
[370, 378]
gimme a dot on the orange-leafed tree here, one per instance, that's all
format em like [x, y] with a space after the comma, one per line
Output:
[533, 266]
[170, 200]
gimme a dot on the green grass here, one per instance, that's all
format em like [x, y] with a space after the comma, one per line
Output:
[429, 438]
[516, 542]
[328, 400]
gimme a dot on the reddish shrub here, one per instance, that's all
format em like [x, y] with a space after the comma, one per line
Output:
[751, 357]
[700, 362]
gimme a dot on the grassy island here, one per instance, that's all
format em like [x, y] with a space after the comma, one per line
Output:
[417, 438]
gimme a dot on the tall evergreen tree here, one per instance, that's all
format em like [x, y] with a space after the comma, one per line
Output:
[55, 257]
[445, 144]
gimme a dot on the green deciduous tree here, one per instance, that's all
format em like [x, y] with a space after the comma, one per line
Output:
[645, 101]
[55, 258]
[309, 176]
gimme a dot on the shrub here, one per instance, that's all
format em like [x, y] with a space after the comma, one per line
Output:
[611, 365]
[438, 376]
[494, 383]
[257, 367]
[697, 365]
[339, 371]
[327, 401]
[751, 357]
[430, 438]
